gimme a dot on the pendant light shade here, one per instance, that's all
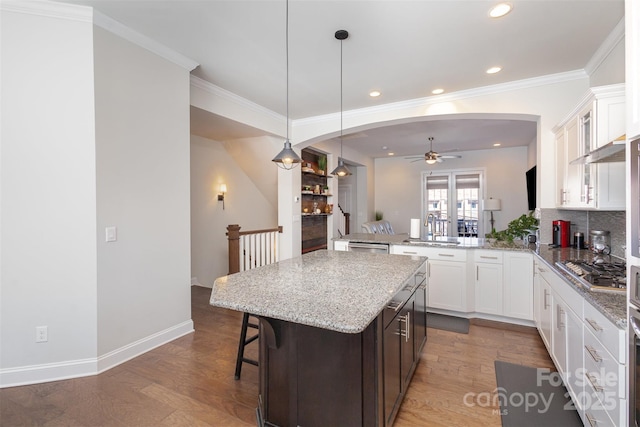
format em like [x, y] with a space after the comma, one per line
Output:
[287, 158]
[341, 170]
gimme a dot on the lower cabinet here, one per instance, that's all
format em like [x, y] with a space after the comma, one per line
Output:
[588, 349]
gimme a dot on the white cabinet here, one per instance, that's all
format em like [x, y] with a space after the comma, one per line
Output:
[488, 281]
[544, 303]
[632, 67]
[446, 275]
[517, 299]
[596, 121]
[573, 380]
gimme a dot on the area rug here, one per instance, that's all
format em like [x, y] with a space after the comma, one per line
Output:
[533, 397]
[448, 323]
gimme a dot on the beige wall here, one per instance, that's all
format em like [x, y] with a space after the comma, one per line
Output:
[245, 204]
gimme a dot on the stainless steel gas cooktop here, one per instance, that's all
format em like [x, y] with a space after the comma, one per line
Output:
[599, 274]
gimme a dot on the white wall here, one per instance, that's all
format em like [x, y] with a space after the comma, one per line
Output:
[245, 204]
[47, 177]
[398, 184]
[142, 139]
[611, 69]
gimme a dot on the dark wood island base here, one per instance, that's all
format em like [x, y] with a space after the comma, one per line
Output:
[311, 376]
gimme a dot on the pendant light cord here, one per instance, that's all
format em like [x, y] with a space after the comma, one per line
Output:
[341, 109]
[287, 63]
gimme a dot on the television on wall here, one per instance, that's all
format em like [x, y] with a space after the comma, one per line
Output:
[531, 188]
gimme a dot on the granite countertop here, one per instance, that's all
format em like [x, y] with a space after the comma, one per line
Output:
[613, 304]
[610, 303]
[335, 290]
[449, 242]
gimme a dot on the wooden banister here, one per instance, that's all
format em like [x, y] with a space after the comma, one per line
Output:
[233, 236]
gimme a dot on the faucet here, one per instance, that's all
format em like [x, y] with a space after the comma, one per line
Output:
[430, 221]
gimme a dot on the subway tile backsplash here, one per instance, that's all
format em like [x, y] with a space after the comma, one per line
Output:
[583, 221]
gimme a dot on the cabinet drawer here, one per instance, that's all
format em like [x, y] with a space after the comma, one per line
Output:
[409, 250]
[431, 252]
[612, 337]
[492, 257]
[602, 370]
[611, 412]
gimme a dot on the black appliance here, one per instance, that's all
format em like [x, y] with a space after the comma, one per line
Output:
[599, 274]
[531, 188]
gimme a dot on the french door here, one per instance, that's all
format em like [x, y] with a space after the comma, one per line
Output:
[451, 204]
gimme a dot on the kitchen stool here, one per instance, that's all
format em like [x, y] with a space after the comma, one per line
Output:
[244, 341]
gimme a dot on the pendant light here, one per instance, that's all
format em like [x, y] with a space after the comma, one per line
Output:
[287, 158]
[341, 170]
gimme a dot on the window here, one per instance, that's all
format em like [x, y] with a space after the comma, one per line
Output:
[443, 208]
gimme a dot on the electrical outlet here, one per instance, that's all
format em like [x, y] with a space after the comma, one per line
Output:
[42, 334]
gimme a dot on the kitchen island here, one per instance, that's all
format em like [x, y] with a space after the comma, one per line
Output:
[340, 334]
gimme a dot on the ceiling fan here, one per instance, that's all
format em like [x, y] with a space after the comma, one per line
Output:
[432, 157]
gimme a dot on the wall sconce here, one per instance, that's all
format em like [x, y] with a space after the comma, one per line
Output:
[223, 189]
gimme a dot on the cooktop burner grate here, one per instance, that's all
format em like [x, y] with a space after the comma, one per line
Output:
[599, 275]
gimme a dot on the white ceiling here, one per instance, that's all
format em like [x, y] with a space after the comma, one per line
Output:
[403, 48]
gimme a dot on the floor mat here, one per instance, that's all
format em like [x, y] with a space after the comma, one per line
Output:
[533, 397]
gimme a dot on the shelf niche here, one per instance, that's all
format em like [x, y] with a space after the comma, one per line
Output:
[314, 226]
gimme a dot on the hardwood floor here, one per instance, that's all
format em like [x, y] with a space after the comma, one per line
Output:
[190, 381]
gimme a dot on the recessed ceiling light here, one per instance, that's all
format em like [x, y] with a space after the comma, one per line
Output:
[500, 9]
[494, 70]
[374, 93]
[390, 153]
[384, 147]
[437, 91]
[497, 144]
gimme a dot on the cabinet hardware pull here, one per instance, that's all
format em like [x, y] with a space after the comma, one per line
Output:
[559, 322]
[477, 274]
[390, 306]
[594, 383]
[407, 328]
[488, 257]
[449, 255]
[545, 304]
[594, 325]
[421, 273]
[428, 269]
[592, 421]
[593, 353]
[409, 253]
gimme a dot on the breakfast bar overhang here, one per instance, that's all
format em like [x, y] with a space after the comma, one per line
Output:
[340, 334]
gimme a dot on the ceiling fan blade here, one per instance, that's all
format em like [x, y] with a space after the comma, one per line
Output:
[449, 156]
[414, 157]
[439, 159]
[417, 160]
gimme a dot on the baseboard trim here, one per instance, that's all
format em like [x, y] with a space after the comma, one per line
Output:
[35, 374]
[128, 352]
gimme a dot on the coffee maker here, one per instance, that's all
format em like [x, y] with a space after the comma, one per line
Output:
[561, 231]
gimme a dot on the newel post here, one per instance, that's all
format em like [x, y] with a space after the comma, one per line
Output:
[233, 233]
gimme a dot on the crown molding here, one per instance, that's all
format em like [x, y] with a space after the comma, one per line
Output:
[48, 9]
[231, 97]
[615, 37]
[450, 97]
[115, 27]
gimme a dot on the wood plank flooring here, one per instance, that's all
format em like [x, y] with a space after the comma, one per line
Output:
[189, 381]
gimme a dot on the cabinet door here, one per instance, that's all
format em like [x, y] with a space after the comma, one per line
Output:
[632, 67]
[572, 172]
[447, 285]
[407, 347]
[561, 168]
[420, 318]
[489, 288]
[518, 285]
[559, 334]
[586, 138]
[573, 380]
[391, 361]
[546, 312]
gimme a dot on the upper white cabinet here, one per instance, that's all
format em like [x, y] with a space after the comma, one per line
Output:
[632, 66]
[596, 121]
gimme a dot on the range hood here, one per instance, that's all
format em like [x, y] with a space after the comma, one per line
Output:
[609, 153]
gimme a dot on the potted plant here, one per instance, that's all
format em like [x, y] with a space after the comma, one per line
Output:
[379, 215]
[322, 165]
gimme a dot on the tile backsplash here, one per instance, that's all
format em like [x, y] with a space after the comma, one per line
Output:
[583, 221]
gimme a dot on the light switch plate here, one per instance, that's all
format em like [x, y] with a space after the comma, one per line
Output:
[111, 234]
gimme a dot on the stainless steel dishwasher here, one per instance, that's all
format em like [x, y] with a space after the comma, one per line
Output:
[378, 248]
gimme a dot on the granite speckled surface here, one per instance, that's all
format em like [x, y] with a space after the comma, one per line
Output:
[456, 242]
[612, 304]
[335, 290]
